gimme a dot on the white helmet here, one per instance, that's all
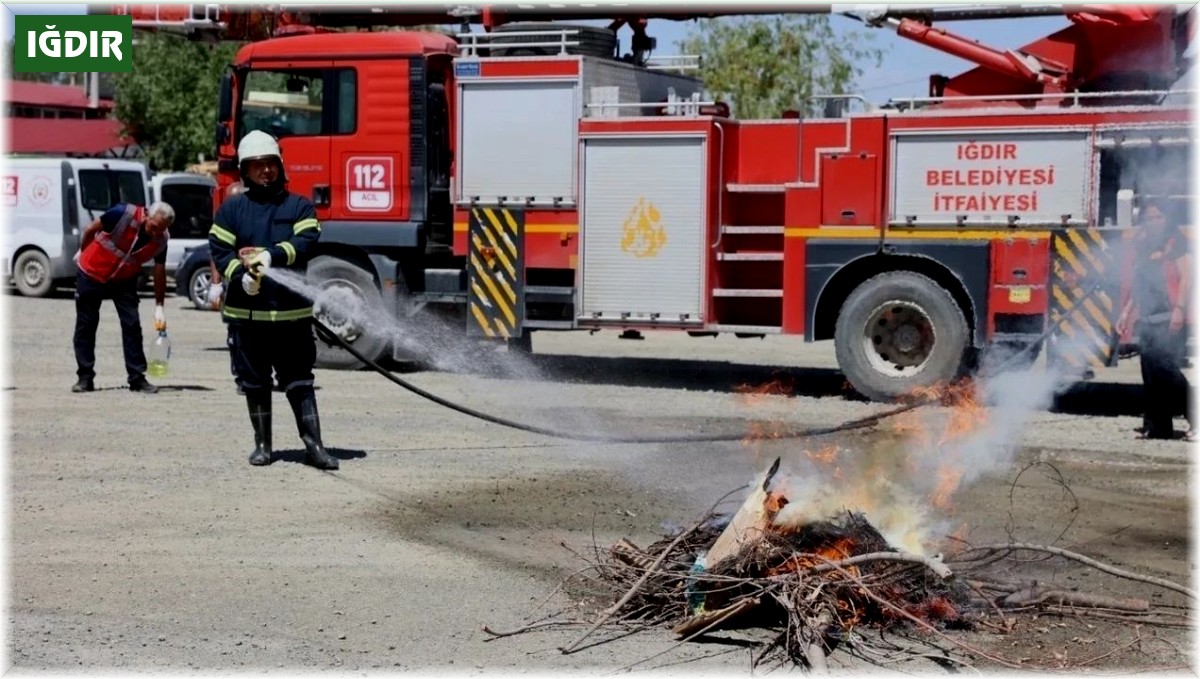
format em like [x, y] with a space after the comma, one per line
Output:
[258, 144]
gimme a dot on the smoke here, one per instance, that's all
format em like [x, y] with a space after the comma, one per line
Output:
[445, 346]
[426, 338]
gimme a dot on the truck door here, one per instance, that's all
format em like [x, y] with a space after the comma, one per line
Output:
[371, 152]
[293, 102]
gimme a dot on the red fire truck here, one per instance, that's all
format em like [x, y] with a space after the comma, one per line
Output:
[530, 178]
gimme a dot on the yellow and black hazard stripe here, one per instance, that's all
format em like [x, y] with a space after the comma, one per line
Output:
[1084, 324]
[495, 272]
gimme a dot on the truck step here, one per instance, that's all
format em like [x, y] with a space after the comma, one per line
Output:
[755, 188]
[750, 256]
[746, 292]
[748, 329]
[549, 293]
[548, 325]
[750, 230]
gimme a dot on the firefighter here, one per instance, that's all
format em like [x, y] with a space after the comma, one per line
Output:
[1160, 296]
[269, 327]
[112, 251]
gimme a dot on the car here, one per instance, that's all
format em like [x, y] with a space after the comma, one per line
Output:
[195, 275]
[191, 195]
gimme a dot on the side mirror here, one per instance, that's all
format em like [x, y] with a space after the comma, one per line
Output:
[225, 101]
[221, 134]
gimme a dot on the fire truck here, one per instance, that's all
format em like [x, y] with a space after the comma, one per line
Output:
[529, 177]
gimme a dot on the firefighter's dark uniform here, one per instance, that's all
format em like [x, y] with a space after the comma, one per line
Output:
[272, 329]
[1162, 350]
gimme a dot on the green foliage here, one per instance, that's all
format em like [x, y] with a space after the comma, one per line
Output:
[766, 65]
[168, 103]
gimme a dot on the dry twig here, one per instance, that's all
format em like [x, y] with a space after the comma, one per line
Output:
[1087, 561]
[611, 610]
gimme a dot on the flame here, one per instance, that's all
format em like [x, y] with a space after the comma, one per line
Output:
[898, 493]
[751, 395]
[754, 396]
[842, 548]
[948, 478]
[942, 437]
[826, 456]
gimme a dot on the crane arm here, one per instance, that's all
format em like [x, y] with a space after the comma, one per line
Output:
[1105, 43]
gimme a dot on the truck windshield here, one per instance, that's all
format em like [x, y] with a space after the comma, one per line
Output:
[296, 103]
[102, 189]
[193, 205]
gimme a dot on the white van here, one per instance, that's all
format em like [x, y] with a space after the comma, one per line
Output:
[48, 202]
[191, 196]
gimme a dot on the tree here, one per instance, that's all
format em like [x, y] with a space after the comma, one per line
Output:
[767, 65]
[168, 102]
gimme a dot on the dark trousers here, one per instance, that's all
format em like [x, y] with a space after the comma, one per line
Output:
[89, 294]
[1167, 393]
[258, 347]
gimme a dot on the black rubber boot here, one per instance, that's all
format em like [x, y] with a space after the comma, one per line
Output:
[308, 422]
[259, 405]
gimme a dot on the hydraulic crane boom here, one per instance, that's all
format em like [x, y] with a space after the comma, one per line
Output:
[1106, 47]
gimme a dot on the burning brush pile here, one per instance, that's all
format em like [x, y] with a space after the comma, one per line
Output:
[839, 556]
[816, 581]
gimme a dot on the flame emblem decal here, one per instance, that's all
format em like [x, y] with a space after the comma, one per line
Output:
[643, 234]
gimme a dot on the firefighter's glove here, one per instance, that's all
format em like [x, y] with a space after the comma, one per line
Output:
[251, 284]
[160, 320]
[214, 295]
[259, 262]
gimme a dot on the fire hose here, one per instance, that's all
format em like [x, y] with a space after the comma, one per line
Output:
[329, 337]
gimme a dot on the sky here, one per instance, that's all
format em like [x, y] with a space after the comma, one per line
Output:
[904, 73]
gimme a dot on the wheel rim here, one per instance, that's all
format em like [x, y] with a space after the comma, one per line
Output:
[33, 274]
[340, 307]
[200, 285]
[898, 338]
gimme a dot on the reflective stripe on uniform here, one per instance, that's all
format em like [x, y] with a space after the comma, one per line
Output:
[113, 255]
[223, 235]
[290, 250]
[306, 224]
[109, 240]
[268, 315]
[231, 267]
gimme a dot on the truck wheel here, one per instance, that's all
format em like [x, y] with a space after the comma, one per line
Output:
[897, 332]
[348, 304]
[31, 274]
[593, 41]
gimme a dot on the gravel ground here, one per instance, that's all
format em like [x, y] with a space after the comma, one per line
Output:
[141, 540]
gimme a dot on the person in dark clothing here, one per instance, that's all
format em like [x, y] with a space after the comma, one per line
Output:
[269, 326]
[112, 251]
[1160, 296]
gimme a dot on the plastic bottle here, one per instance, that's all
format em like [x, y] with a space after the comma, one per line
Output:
[160, 355]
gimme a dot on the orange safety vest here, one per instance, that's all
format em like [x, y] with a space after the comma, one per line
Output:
[1175, 247]
[110, 256]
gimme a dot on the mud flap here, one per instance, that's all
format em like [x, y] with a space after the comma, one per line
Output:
[495, 272]
[1084, 300]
